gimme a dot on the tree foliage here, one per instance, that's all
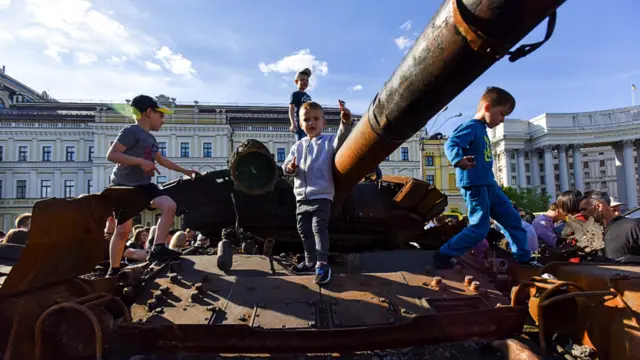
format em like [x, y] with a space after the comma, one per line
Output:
[529, 199]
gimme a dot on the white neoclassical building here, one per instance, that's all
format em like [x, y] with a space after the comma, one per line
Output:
[585, 151]
[57, 149]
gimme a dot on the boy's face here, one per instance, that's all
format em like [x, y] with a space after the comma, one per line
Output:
[312, 121]
[156, 119]
[494, 115]
[303, 82]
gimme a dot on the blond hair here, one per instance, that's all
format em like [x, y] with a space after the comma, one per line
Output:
[178, 240]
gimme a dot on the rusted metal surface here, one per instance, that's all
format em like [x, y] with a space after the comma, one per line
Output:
[595, 305]
[428, 329]
[439, 66]
[515, 350]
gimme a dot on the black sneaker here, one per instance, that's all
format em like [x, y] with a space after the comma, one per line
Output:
[159, 253]
[323, 274]
[442, 261]
[303, 268]
[532, 262]
[113, 272]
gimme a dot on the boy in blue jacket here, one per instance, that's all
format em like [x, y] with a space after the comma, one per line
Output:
[310, 161]
[469, 150]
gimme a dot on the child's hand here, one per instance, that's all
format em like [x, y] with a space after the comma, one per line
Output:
[466, 162]
[292, 166]
[191, 173]
[293, 128]
[149, 167]
[345, 114]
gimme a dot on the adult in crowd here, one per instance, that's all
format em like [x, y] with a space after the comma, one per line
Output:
[621, 234]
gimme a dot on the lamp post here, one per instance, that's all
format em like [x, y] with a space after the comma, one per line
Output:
[426, 132]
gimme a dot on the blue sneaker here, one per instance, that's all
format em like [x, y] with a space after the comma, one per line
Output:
[323, 274]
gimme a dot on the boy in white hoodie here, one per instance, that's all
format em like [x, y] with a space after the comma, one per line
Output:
[313, 184]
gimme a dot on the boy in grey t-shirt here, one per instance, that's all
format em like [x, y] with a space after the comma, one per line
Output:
[135, 152]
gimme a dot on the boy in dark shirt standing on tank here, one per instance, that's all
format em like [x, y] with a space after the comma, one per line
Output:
[298, 98]
[135, 152]
[469, 151]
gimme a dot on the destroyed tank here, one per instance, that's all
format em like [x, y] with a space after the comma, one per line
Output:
[54, 305]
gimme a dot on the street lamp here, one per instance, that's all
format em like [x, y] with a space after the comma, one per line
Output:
[426, 132]
[449, 118]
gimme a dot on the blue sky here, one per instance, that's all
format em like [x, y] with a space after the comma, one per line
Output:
[212, 51]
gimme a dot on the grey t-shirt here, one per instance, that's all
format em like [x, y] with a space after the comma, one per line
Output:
[139, 143]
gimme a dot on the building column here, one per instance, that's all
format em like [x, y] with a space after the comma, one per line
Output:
[32, 190]
[102, 182]
[173, 151]
[57, 184]
[80, 153]
[9, 186]
[80, 188]
[564, 168]
[522, 178]
[549, 179]
[629, 174]
[506, 153]
[34, 150]
[577, 167]
[196, 146]
[535, 169]
[620, 178]
[58, 152]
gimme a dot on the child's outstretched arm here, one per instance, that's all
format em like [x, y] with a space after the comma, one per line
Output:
[163, 161]
[290, 163]
[462, 137]
[345, 126]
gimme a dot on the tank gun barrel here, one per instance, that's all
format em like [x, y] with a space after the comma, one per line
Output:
[462, 40]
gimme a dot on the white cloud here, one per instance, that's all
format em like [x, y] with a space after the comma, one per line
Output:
[292, 64]
[403, 42]
[55, 51]
[5, 36]
[174, 62]
[4, 4]
[149, 65]
[117, 59]
[356, 88]
[406, 26]
[85, 58]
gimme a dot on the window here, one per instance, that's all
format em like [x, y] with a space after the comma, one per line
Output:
[541, 179]
[527, 168]
[405, 153]
[541, 167]
[586, 174]
[184, 149]
[603, 185]
[585, 164]
[45, 189]
[90, 158]
[513, 167]
[281, 154]
[587, 186]
[513, 156]
[46, 153]
[161, 180]
[428, 161]
[431, 179]
[601, 162]
[89, 186]
[540, 156]
[137, 220]
[528, 180]
[514, 182]
[603, 173]
[0, 189]
[162, 147]
[556, 167]
[22, 153]
[526, 155]
[1, 152]
[207, 149]
[69, 188]
[557, 177]
[21, 189]
[70, 153]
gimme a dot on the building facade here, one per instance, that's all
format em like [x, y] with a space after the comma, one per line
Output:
[557, 152]
[437, 170]
[57, 149]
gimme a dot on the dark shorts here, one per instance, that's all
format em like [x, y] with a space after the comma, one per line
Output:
[149, 191]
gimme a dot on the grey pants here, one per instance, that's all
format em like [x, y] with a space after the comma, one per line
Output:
[313, 227]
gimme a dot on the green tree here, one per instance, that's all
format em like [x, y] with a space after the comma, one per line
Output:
[529, 199]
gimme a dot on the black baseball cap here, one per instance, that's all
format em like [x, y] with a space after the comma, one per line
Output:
[142, 103]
